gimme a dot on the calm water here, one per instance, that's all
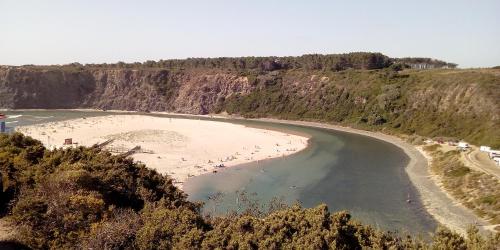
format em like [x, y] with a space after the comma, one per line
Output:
[345, 171]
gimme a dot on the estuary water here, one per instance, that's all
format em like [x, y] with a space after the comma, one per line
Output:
[345, 171]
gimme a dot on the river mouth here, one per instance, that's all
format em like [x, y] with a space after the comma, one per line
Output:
[345, 171]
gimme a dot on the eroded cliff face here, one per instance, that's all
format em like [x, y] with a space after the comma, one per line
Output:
[20, 88]
[457, 103]
[122, 89]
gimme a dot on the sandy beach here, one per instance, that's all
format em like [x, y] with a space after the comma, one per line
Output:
[442, 207]
[181, 148]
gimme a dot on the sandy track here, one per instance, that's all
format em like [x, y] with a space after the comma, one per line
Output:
[480, 161]
[6, 230]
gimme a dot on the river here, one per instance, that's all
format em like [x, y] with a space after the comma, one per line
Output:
[363, 175]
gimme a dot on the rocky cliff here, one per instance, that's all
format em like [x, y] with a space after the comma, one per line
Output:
[124, 89]
[457, 103]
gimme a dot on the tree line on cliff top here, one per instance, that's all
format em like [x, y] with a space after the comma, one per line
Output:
[87, 198]
[329, 62]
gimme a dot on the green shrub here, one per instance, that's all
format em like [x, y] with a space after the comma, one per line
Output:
[85, 198]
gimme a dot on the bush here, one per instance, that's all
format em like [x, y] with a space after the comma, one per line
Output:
[86, 198]
[170, 228]
[118, 232]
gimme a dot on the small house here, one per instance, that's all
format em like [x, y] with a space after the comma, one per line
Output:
[484, 149]
[68, 141]
[463, 145]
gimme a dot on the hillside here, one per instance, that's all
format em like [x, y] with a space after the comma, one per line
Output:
[365, 90]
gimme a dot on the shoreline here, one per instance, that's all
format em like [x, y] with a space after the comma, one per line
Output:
[437, 202]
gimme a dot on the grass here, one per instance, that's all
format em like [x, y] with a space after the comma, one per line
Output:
[458, 172]
[490, 200]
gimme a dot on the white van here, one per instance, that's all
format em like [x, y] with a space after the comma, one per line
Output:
[463, 145]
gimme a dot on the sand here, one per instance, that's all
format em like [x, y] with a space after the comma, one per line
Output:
[182, 148]
[446, 209]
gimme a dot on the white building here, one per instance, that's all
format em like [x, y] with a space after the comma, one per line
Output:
[494, 153]
[497, 160]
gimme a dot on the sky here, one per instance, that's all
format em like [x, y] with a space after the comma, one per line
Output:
[466, 32]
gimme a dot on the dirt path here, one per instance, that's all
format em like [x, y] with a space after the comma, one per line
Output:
[6, 230]
[478, 160]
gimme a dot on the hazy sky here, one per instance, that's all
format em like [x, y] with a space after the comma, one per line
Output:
[91, 31]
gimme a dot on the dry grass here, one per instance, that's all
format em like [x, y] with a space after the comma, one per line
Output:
[476, 190]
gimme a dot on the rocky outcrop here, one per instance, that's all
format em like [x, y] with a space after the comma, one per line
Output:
[122, 89]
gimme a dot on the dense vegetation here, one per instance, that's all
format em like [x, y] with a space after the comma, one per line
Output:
[336, 62]
[428, 61]
[329, 62]
[88, 198]
[459, 104]
[476, 190]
